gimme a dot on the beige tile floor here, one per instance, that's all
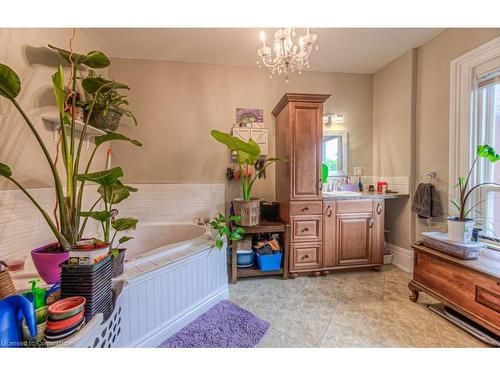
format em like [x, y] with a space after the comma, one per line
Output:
[355, 309]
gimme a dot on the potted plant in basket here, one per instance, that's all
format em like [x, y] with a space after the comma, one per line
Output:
[247, 154]
[66, 224]
[108, 104]
[460, 227]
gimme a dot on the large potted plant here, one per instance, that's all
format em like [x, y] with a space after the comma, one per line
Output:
[460, 227]
[108, 104]
[66, 224]
[247, 154]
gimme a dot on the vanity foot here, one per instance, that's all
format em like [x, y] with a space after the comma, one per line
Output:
[315, 274]
[414, 292]
[293, 275]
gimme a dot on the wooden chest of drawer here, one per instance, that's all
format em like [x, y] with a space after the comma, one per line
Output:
[306, 208]
[305, 256]
[474, 293]
[307, 228]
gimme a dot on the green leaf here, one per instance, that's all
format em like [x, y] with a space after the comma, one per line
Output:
[124, 223]
[225, 139]
[114, 253]
[240, 230]
[124, 239]
[115, 193]
[115, 137]
[10, 84]
[101, 216]
[488, 152]
[219, 243]
[235, 144]
[93, 84]
[93, 59]
[107, 177]
[235, 236]
[235, 218]
[5, 170]
[59, 90]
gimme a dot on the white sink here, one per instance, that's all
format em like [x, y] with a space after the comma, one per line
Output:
[341, 193]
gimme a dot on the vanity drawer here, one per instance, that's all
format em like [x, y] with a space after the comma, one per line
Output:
[306, 208]
[307, 228]
[352, 206]
[306, 256]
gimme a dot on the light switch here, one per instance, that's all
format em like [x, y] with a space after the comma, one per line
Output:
[358, 171]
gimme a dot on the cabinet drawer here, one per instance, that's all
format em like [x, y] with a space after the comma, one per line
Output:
[353, 206]
[306, 256]
[305, 208]
[307, 228]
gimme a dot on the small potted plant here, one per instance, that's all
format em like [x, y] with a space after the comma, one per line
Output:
[221, 228]
[109, 104]
[460, 227]
[247, 154]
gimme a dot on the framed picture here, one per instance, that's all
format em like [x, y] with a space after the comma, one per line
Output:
[249, 115]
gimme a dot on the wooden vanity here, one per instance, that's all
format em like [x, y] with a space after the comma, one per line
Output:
[327, 233]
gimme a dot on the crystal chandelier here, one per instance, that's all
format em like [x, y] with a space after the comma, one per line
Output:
[288, 56]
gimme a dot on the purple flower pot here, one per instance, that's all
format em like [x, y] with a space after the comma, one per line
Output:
[47, 263]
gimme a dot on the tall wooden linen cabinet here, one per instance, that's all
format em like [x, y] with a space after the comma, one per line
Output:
[299, 132]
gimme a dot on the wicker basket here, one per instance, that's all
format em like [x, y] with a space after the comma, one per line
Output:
[108, 122]
[7, 287]
[248, 210]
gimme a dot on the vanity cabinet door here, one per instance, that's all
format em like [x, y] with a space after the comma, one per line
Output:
[329, 256]
[354, 238]
[307, 133]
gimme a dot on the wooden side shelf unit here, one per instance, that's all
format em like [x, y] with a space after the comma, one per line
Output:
[279, 227]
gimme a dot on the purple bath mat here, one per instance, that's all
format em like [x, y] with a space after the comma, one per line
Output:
[225, 325]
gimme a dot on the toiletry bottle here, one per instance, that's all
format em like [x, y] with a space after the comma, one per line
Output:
[360, 185]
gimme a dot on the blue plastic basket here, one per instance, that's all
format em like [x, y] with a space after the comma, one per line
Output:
[269, 262]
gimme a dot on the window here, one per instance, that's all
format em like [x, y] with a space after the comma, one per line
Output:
[475, 120]
[489, 132]
[335, 152]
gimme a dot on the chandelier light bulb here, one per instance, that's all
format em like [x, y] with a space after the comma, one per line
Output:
[263, 38]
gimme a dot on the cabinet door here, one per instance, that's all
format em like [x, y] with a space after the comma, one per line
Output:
[378, 231]
[306, 126]
[354, 238]
[329, 254]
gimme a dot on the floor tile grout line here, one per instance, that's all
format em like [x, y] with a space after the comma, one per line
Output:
[435, 327]
[331, 317]
[382, 315]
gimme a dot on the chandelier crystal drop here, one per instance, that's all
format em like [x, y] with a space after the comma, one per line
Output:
[288, 55]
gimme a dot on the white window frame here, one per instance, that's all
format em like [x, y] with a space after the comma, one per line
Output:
[464, 131]
[342, 134]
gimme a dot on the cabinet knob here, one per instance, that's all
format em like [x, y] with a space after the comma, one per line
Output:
[379, 208]
[305, 209]
[305, 229]
[329, 211]
[305, 257]
[371, 223]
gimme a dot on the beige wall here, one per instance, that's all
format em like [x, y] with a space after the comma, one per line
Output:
[177, 104]
[433, 102]
[25, 51]
[393, 136]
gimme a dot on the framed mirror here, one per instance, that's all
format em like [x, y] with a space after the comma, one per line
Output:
[335, 152]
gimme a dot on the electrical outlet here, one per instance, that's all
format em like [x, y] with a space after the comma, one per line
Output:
[358, 171]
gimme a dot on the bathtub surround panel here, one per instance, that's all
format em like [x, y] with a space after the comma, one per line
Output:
[161, 301]
[173, 203]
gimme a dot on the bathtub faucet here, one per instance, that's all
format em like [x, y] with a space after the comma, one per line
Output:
[199, 221]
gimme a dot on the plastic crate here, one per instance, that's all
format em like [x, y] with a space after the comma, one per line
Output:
[269, 262]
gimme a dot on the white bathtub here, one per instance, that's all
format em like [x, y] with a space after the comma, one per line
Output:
[173, 273]
[160, 239]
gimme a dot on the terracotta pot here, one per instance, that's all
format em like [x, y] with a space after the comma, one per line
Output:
[248, 210]
[47, 263]
[460, 231]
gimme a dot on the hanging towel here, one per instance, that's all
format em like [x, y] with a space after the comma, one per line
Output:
[426, 202]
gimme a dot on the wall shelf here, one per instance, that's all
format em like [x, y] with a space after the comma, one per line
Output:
[90, 132]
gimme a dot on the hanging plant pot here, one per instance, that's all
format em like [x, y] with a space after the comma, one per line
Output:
[118, 261]
[110, 121]
[248, 210]
[460, 231]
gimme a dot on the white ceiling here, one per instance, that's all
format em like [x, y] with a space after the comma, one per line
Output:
[340, 50]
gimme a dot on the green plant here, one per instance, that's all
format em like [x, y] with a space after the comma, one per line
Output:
[222, 225]
[482, 151]
[247, 154]
[106, 98]
[66, 224]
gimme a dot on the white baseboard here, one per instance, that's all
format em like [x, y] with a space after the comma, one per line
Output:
[183, 320]
[403, 258]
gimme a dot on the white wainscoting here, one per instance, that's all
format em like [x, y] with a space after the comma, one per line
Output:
[402, 258]
[159, 303]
